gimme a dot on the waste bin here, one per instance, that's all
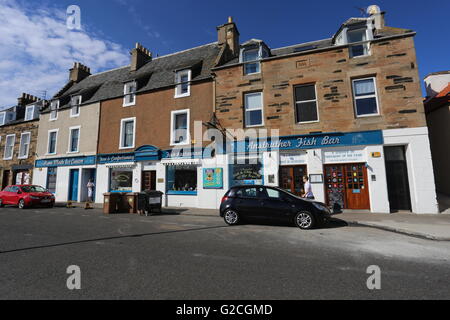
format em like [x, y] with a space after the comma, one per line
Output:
[130, 202]
[149, 200]
[110, 202]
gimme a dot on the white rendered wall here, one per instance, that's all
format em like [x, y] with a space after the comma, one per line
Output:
[40, 177]
[420, 167]
[211, 198]
[102, 183]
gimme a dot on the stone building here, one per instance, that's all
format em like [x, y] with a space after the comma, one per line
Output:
[349, 112]
[18, 139]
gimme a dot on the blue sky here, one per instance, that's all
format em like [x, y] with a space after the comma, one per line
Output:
[111, 27]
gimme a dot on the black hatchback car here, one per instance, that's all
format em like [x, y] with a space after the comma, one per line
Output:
[271, 203]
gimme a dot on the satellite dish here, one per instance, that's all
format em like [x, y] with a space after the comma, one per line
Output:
[373, 9]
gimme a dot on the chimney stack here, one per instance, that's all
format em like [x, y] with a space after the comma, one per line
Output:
[139, 56]
[228, 34]
[377, 16]
[26, 99]
[79, 72]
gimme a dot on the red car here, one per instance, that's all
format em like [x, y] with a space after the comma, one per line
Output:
[25, 196]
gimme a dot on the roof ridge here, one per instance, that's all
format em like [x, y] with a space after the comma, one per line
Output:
[300, 44]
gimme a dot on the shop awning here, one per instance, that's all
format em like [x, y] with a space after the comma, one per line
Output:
[121, 165]
[179, 162]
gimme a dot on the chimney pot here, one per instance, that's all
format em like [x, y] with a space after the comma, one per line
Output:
[139, 56]
[79, 72]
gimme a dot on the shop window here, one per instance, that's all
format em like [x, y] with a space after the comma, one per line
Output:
[182, 179]
[254, 109]
[24, 145]
[365, 97]
[180, 127]
[183, 83]
[306, 103]
[51, 179]
[248, 173]
[121, 180]
[9, 147]
[129, 91]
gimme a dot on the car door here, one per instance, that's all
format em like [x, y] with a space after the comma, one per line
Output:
[4, 195]
[249, 202]
[13, 196]
[277, 205]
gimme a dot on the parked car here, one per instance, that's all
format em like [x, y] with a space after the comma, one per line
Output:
[271, 203]
[25, 196]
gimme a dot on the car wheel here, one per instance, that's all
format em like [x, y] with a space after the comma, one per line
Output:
[231, 217]
[305, 220]
[21, 204]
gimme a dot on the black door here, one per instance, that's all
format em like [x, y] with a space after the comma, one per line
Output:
[277, 206]
[397, 178]
[249, 202]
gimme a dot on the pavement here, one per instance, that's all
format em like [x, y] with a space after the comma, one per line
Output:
[426, 226]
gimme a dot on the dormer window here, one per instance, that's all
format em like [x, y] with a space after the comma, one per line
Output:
[75, 103]
[129, 92]
[29, 113]
[2, 118]
[358, 36]
[250, 58]
[54, 106]
[183, 83]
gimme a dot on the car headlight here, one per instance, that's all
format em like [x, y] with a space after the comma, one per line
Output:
[321, 207]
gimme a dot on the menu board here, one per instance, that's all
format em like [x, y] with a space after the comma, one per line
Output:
[213, 178]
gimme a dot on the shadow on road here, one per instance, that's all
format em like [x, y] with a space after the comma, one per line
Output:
[334, 223]
[109, 238]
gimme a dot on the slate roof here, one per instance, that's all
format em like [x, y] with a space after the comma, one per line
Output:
[155, 74]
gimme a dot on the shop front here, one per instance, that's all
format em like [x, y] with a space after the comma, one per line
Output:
[67, 178]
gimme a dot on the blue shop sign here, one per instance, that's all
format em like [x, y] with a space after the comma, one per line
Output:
[65, 162]
[115, 158]
[312, 141]
[147, 153]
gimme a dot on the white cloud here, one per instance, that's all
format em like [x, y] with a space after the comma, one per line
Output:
[37, 50]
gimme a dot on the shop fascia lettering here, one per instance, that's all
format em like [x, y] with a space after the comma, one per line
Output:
[301, 142]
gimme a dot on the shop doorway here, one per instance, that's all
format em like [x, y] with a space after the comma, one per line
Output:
[73, 184]
[5, 180]
[86, 175]
[148, 180]
[22, 177]
[397, 178]
[291, 178]
[51, 179]
[346, 185]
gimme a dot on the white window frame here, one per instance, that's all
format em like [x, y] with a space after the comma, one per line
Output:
[48, 142]
[316, 100]
[121, 140]
[6, 147]
[262, 110]
[71, 129]
[20, 145]
[178, 83]
[4, 118]
[125, 94]
[173, 115]
[257, 61]
[56, 110]
[366, 96]
[26, 112]
[72, 106]
[365, 43]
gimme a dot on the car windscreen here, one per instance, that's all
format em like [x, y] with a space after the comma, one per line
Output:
[29, 189]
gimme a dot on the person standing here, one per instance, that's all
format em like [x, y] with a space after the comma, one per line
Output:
[90, 186]
[308, 189]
